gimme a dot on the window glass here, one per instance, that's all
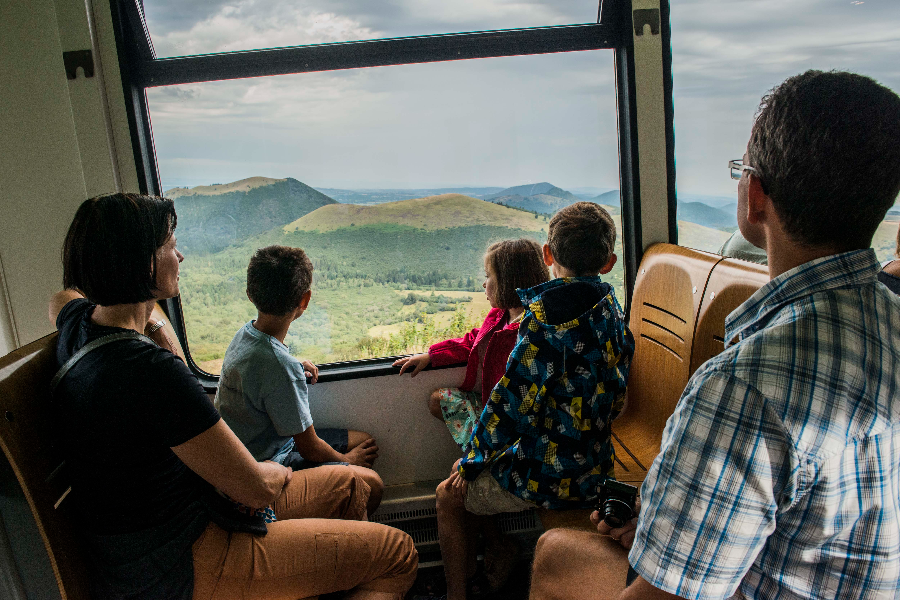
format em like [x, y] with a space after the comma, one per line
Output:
[725, 56]
[180, 28]
[394, 180]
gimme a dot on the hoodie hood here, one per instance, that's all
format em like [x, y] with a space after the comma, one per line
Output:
[558, 301]
[573, 311]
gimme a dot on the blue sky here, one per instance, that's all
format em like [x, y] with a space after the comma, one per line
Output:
[499, 122]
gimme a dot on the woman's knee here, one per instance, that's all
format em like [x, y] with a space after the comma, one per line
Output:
[372, 479]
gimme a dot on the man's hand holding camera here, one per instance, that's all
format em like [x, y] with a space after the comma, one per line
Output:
[624, 534]
[617, 510]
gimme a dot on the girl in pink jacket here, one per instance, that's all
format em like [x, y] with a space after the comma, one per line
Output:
[508, 265]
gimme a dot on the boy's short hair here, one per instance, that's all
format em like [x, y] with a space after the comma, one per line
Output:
[277, 278]
[515, 264]
[582, 238]
[825, 148]
[110, 249]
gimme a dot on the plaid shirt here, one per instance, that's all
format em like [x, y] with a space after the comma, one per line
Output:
[779, 474]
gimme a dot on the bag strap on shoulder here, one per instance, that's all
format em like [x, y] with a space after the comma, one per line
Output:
[91, 346]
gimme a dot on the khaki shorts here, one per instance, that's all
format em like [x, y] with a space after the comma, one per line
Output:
[486, 497]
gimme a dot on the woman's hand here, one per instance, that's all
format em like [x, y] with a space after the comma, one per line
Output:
[280, 478]
[414, 363]
[219, 457]
[625, 534]
[311, 370]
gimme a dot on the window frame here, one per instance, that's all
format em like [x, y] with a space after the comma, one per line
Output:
[140, 69]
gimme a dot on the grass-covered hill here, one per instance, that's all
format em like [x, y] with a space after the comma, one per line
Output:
[427, 214]
[542, 197]
[211, 218]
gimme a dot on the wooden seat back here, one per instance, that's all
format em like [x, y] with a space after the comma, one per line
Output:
[667, 295]
[678, 309]
[27, 440]
[731, 282]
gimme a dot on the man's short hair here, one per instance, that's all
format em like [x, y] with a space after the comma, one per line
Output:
[826, 148]
[277, 278]
[582, 237]
[110, 249]
[516, 264]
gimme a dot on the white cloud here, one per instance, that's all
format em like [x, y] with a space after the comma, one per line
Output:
[726, 55]
[496, 121]
[231, 25]
[499, 121]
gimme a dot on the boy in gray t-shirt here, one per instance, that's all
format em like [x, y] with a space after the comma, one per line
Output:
[262, 393]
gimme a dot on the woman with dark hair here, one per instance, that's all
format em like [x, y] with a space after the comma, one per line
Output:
[890, 271]
[148, 451]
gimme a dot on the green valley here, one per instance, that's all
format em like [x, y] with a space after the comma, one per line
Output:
[390, 278]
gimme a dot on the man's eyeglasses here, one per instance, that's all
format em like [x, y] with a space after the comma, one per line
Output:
[737, 167]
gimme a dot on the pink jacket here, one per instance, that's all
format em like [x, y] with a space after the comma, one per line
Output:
[465, 349]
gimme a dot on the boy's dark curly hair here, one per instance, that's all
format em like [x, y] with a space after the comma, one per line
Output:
[582, 237]
[277, 278]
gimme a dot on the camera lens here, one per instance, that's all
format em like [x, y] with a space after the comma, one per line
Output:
[616, 512]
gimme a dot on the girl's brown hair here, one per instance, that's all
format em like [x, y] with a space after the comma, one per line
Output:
[515, 264]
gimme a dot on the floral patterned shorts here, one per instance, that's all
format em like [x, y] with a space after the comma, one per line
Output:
[461, 411]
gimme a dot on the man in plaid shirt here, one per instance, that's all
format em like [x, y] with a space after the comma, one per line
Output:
[779, 473]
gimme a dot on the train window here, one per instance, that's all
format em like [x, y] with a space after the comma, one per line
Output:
[189, 28]
[394, 180]
[723, 62]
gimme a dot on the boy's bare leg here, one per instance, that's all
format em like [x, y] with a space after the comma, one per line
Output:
[434, 405]
[459, 562]
[571, 564]
[355, 438]
[500, 552]
[375, 483]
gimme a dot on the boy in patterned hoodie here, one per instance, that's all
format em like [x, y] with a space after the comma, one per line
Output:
[544, 436]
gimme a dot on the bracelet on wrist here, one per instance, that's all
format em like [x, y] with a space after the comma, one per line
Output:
[157, 326]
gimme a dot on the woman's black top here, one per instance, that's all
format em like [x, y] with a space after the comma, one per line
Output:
[892, 281]
[121, 410]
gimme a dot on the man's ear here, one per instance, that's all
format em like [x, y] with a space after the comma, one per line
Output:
[548, 256]
[304, 299]
[758, 203]
[609, 264]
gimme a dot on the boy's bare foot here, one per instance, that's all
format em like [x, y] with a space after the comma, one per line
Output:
[363, 455]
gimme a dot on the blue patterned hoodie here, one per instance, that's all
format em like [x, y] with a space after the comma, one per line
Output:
[545, 432]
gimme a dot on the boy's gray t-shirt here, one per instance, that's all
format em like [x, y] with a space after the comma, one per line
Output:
[262, 392]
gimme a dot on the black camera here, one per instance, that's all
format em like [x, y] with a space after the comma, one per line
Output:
[616, 502]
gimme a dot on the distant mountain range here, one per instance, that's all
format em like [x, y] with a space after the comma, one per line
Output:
[703, 214]
[542, 197]
[214, 217]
